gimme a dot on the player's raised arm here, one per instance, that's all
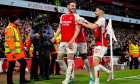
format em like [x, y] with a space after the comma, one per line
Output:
[88, 24]
[58, 31]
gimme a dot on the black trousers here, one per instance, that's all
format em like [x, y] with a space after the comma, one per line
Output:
[54, 57]
[135, 61]
[44, 61]
[22, 70]
[34, 65]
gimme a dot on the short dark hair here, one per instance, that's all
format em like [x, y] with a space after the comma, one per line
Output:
[101, 8]
[71, 1]
[13, 18]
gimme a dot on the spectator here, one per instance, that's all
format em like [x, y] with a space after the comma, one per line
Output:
[90, 6]
[2, 49]
[2, 52]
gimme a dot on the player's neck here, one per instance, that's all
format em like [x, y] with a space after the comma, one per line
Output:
[101, 16]
[69, 13]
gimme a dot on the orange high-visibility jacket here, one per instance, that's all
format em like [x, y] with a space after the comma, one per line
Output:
[28, 45]
[10, 38]
[56, 45]
[130, 51]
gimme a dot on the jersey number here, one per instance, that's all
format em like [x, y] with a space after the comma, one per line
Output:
[97, 50]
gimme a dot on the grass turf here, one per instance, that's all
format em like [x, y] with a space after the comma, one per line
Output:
[84, 78]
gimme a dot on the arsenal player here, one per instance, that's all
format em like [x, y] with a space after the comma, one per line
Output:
[100, 42]
[69, 30]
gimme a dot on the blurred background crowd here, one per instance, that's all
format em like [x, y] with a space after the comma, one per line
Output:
[91, 5]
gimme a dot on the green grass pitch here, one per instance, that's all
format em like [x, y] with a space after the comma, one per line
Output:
[120, 77]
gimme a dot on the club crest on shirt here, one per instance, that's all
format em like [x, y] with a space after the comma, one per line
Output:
[70, 18]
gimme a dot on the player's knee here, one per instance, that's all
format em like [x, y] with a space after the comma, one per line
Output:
[60, 57]
[70, 56]
[95, 61]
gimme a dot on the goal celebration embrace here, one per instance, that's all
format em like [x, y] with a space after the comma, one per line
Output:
[69, 42]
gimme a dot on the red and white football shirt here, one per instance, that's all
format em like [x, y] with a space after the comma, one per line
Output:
[67, 22]
[100, 33]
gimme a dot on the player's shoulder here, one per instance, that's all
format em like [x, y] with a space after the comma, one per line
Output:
[102, 19]
[76, 15]
[62, 16]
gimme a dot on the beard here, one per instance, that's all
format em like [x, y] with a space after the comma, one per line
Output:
[72, 10]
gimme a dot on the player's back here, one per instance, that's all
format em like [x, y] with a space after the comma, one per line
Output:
[67, 22]
[100, 38]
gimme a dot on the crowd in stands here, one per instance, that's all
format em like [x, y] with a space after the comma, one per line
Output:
[133, 2]
[91, 6]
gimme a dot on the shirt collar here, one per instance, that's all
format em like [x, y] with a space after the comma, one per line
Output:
[13, 25]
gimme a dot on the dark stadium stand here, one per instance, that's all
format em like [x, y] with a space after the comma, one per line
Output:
[91, 6]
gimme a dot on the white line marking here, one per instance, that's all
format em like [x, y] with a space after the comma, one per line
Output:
[130, 78]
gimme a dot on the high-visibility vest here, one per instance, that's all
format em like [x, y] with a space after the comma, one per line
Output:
[58, 38]
[135, 49]
[16, 42]
[32, 47]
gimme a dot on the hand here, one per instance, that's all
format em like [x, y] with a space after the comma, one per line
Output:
[53, 40]
[56, 9]
[37, 34]
[70, 44]
[14, 56]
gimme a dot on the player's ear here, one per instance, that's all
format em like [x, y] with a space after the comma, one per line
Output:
[67, 5]
[101, 12]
